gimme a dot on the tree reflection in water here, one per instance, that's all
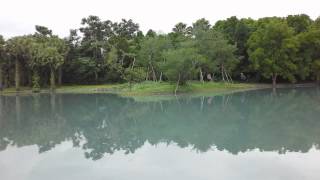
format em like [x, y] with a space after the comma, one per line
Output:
[103, 124]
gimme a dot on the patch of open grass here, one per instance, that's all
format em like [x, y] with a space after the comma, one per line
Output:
[148, 87]
[23, 90]
[89, 88]
[144, 88]
[156, 88]
[198, 86]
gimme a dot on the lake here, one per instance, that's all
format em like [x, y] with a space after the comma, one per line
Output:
[260, 134]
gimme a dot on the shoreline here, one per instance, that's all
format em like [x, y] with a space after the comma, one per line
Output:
[154, 89]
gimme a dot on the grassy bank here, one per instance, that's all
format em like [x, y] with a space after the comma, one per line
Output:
[154, 88]
[144, 88]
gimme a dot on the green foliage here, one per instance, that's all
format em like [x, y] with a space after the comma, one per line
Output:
[272, 50]
[309, 52]
[84, 70]
[43, 31]
[300, 23]
[35, 82]
[219, 54]
[180, 63]
[151, 33]
[182, 29]
[134, 75]
[151, 56]
[316, 69]
[106, 51]
[2, 60]
[2, 50]
[20, 48]
[113, 65]
[200, 26]
[237, 31]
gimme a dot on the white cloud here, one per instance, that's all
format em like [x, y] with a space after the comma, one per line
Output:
[18, 17]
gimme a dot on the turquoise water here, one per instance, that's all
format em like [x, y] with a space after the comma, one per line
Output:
[246, 135]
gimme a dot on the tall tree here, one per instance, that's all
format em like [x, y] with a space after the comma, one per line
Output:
[182, 28]
[2, 59]
[43, 31]
[309, 53]
[219, 53]
[151, 33]
[151, 57]
[300, 23]
[50, 54]
[20, 50]
[238, 31]
[96, 34]
[272, 50]
[180, 33]
[200, 26]
[180, 63]
[124, 34]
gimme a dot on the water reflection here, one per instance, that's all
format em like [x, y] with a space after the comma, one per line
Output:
[100, 124]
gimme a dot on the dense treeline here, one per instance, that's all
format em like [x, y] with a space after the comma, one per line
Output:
[103, 51]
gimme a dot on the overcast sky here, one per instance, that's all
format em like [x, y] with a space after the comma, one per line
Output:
[18, 17]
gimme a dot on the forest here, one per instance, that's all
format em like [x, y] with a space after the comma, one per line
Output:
[270, 49]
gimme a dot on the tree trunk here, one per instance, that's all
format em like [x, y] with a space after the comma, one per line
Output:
[52, 79]
[5, 79]
[1, 78]
[30, 78]
[134, 60]
[177, 86]
[96, 76]
[226, 76]
[22, 76]
[35, 81]
[60, 76]
[1, 111]
[154, 77]
[147, 74]
[229, 77]
[122, 60]
[274, 80]
[160, 78]
[17, 74]
[222, 75]
[201, 75]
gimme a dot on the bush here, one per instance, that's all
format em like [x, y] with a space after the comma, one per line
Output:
[35, 82]
[134, 75]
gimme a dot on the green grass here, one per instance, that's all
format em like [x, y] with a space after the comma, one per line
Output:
[145, 88]
[163, 88]
[23, 90]
[90, 88]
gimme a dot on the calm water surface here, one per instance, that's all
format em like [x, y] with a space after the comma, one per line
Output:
[248, 135]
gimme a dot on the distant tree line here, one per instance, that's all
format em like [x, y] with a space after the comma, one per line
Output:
[271, 48]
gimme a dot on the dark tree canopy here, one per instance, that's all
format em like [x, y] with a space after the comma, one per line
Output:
[100, 51]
